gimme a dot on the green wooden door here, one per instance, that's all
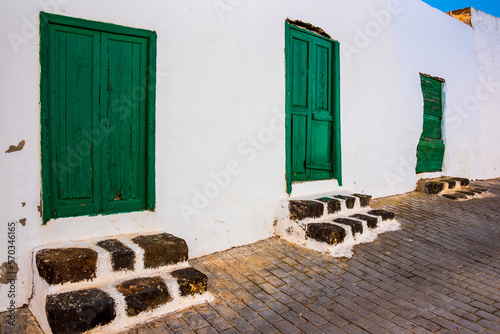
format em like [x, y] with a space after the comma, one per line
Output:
[313, 122]
[430, 151]
[97, 118]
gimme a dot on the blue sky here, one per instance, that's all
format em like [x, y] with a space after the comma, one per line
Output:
[489, 6]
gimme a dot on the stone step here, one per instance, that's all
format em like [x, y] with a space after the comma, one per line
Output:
[332, 223]
[104, 285]
[439, 185]
[455, 188]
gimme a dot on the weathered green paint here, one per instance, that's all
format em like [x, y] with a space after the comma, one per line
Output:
[312, 107]
[97, 115]
[430, 151]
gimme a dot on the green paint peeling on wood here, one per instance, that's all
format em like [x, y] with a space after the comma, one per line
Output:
[97, 115]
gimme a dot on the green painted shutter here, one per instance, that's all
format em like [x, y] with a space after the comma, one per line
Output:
[123, 86]
[430, 151]
[97, 118]
[313, 140]
[74, 118]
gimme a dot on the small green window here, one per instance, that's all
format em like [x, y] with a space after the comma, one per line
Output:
[97, 115]
[430, 151]
[312, 106]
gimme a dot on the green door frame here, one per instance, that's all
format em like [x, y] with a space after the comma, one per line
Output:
[336, 169]
[48, 173]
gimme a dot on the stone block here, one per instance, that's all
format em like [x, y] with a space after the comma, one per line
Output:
[122, 257]
[349, 200]
[162, 249]
[66, 265]
[191, 281]
[144, 294]
[332, 205]
[455, 196]
[305, 209]
[364, 200]
[433, 187]
[386, 215]
[356, 225]
[326, 232]
[451, 183]
[463, 181]
[79, 311]
[371, 221]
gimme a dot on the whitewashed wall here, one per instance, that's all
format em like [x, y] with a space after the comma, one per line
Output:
[220, 139]
[486, 99]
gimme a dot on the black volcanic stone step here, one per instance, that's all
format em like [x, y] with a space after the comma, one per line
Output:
[349, 200]
[386, 215]
[326, 232]
[463, 181]
[122, 257]
[305, 209]
[191, 281]
[66, 265]
[144, 294]
[364, 200]
[451, 183]
[468, 193]
[356, 225]
[479, 190]
[371, 221]
[79, 311]
[433, 187]
[455, 196]
[332, 205]
[162, 249]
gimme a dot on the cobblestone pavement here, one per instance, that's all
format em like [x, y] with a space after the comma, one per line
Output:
[439, 274]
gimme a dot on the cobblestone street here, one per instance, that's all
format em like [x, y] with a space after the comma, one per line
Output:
[439, 274]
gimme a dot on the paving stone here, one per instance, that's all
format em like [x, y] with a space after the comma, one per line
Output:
[191, 281]
[326, 232]
[356, 225]
[122, 257]
[386, 215]
[79, 311]
[371, 221]
[144, 294]
[364, 200]
[66, 265]
[305, 209]
[332, 205]
[162, 249]
[349, 200]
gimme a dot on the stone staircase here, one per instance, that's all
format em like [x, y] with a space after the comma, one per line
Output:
[455, 188]
[105, 285]
[332, 223]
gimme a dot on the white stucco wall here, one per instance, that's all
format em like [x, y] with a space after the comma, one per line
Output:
[486, 98]
[220, 106]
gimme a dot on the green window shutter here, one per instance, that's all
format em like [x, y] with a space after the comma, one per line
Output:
[97, 114]
[74, 115]
[430, 150]
[313, 117]
[123, 86]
